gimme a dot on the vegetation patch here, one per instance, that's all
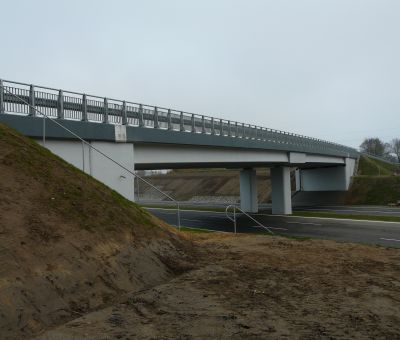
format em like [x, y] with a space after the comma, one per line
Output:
[369, 166]
[196, 230]
[374, 190]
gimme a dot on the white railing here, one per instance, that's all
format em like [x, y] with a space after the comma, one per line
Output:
[25, 99]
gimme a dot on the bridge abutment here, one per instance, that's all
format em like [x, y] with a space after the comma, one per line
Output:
[333, 178]
[281, 191]
[93, 163]
[248, 190]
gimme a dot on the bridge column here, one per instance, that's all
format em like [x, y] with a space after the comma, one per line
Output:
[248, 190]
[281, 193]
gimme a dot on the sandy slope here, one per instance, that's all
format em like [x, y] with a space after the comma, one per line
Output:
[260, 287]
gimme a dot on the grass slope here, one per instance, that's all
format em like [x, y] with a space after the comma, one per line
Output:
[374, 190]
[372, 167]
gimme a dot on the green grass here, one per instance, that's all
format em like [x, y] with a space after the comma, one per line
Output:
[196, 230]
[182, 207]
[372, 167]
[347, 216]
[376, 190]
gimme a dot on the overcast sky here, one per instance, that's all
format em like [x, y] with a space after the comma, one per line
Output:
[324, 68]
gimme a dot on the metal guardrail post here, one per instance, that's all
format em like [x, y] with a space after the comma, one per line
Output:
[156, 125]
[60, 107]
[1, 97]
[203, 125]
[193, 126]
[236, 130]
[141, 120]
[212, 126]
[255, 133]
[105, 111]
[181, 123]
[169, 118]
[221, 128]
[32, 111]
[84, 108]
[124, 116]
[229, 128]
[244, 131]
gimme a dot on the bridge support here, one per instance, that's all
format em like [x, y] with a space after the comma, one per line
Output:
[248, 190]
[333, 178]
[96, 165]
[281, 192]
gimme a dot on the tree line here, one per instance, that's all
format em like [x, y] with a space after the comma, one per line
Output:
[376, 147]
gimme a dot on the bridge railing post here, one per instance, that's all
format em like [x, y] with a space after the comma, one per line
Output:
[32, 111]
[203, 125]
[105, 111]
[169, 118]
[182, 123]
[141, 120]
[84, 108]
[243, 131]
[60, 107]
[156, 124]
[212, 126]
[1, 97]
[193, 126]
[229, 128]
[124, 116]
[221, 128]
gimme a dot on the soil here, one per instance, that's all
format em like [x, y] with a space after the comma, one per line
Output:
[260, 287]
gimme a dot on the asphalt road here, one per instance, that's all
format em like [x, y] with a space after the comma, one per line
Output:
[338, 209]
[369, 232]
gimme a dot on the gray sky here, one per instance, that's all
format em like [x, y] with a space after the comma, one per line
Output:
[324, 68]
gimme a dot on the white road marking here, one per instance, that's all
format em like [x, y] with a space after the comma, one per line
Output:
[303, 223]
[187, 219]
[275, 228]
[389, 239]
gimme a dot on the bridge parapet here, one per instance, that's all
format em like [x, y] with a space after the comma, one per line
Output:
[75, 106]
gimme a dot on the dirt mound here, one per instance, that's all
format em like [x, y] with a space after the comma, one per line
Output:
[69, 244]
[198, 185]
[261, 287]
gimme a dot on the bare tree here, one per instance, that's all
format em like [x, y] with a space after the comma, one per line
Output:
[374, 146]
[395, 148]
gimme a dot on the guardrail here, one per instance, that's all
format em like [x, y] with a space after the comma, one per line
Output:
[61, 104]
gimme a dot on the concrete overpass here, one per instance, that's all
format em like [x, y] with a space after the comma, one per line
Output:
[149, 137]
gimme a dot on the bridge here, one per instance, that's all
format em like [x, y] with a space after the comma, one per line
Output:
[142, 137]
